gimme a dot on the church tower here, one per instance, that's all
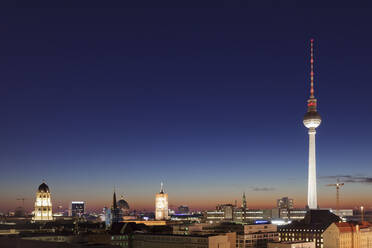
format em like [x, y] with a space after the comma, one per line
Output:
[43, 204]
[115, 211]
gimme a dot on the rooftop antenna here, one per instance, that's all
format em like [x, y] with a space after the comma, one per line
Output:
[161, 187]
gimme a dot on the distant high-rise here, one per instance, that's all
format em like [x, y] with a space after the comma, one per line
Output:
[161, 205]
[77, 208]
[43, 204]
[244, 207]
[183, 209]
[285, 202]
[312, 120]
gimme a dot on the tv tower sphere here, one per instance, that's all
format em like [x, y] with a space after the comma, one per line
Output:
[312, 119]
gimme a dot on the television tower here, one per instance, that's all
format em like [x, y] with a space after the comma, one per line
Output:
[312, 120]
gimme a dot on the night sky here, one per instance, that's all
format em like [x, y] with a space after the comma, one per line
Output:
[209, 100]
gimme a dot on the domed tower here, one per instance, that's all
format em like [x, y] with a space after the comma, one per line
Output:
[312, 120]
[123, 206]
[43, 204]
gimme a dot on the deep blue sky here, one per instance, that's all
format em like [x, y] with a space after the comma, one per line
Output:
[208, 100]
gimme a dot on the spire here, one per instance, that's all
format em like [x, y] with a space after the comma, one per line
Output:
[311, 68]
[114, 203]
[161, 188]
[244, 201]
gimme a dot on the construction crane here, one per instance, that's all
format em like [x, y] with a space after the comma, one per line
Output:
[338, 185]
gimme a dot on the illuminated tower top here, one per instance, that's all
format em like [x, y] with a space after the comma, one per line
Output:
[312, 119]
[244, 201]
[161, 204]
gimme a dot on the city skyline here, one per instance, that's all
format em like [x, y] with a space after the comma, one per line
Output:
[212, 111]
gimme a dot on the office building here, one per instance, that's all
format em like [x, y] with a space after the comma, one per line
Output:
[228, 212]
[183, 210]
[285, 202]
[257, 236]
[77, 208]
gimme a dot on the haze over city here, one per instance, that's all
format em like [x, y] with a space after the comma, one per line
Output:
[212, 105]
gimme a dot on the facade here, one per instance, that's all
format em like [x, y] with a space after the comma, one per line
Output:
[181, 241]
[174, 241]
[257, 236]
[43, 204]
[161, 205]
[290, 244]
[311, 121]
[348, 235]
[292, 214]
[141, 236]
[284, 202]
[223, 214]
[343, 213]
[311, 228]
[77, 208]
[251, 235]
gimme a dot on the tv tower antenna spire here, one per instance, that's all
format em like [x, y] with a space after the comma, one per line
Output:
[311, 68]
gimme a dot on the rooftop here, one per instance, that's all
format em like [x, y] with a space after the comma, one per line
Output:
[314, 220]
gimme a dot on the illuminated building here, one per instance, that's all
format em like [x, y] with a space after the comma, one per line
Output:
[244, 207]
[257, 236]
[183, 209]
[161, 205]
[132, 235]
[344, 214]
[107, 216]
[285, 202]
[227, 212]
[348, 235]
[247, 235]
[312, 120]
[43, 204]
[77, 208]
[311, 228]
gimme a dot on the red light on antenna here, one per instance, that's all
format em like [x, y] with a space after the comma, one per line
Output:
[310, 104]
